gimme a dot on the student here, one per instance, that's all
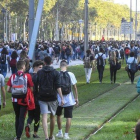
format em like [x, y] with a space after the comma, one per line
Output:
[48, 80]
[34, 114]
[2, 85]
[131, 60]
[113, 69]
[21, 105]
[69, 99]
[88, 64]
[100, 57]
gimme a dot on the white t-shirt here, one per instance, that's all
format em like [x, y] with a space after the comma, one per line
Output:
[69, 99]
[103, 56]
[130, 61]
[2, 84]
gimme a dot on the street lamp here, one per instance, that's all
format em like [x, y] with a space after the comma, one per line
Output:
[3, 11]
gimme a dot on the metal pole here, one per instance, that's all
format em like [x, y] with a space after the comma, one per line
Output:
[57, 30]
[86, 27]
[4, 27]
[130, 19]
[31, 18]
[35, 28]
[136, 23]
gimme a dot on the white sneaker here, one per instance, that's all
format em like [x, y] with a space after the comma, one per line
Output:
[59, 135]
[53, 138]
[66, 137]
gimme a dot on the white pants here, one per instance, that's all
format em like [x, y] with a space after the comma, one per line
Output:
[88, 72]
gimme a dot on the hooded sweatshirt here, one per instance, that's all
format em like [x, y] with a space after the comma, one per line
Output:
[48, 80]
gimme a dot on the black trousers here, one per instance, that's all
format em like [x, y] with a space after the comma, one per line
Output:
[113, 72]
[132, 75]
[20, 112]
[100, 72]
[34, 115]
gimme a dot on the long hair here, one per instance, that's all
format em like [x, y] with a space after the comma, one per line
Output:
[113, 56]
[23, 55]
[14, 55]
[4, 51]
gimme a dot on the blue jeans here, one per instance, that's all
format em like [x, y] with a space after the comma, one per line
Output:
[68, 59]
[4, 69]
[14, 70]
[100, 72]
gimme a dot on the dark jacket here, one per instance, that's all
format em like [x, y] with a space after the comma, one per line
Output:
[48, 79]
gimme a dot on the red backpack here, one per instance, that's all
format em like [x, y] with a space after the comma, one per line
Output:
[127, 51]
[13, 62]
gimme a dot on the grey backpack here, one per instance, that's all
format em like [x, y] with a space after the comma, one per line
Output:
[19, 86]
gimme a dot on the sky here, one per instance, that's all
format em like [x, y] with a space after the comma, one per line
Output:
[128, 3]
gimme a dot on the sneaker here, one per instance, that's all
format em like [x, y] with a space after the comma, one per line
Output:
[27, 131]
[66, 137]
[35, 136]
[59, 135]
[52, 138]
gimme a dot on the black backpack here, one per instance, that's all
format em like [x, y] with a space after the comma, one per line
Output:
[65, 83]
[133, 66]
[3, 59]
[100, 61]
[121, 52]
[56, 49]
[68, 51]
[47, 89]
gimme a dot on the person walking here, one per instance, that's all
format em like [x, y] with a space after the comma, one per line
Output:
[132, 64]
[48, 81]
[100, 58]
[4, 62]
[2, 85]
[34, 114]
[113, 68]
[13, 62]
[21, 102]
[67, 81]
[88, 64]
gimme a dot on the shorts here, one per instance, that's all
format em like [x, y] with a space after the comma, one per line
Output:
[67, 111]
[48, 107]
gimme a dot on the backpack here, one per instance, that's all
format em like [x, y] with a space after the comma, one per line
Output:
[117, 54]
[121, 52]
[100, 61]
[56, 49]
[46, 90]
[13, 63]
[135, 52]
[96, 51]
[65, 83]
[68, 51]
[127, 51]
[138, 86]
[3, 59]
[133, 66]
[87, 62]
[19, 86]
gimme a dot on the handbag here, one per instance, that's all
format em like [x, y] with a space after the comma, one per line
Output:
[118, 65]
[127, 68]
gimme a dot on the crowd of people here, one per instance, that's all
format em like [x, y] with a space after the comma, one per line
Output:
[37, 87]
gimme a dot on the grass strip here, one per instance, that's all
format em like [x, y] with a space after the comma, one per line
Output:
[91, 115]
[120, 127]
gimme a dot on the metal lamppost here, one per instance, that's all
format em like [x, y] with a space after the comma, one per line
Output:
[95, 30]
[3, 11]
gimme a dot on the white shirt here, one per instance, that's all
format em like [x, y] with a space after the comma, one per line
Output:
[2, 84]
[103, 56]
[69, 99]
[130, 61]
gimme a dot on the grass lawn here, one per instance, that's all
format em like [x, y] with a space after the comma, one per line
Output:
[120, 128]
[89, 116]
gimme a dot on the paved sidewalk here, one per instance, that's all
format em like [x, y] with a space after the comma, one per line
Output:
[72, 63]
